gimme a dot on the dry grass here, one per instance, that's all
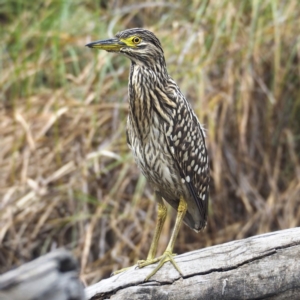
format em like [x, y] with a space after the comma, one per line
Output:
[67, 177]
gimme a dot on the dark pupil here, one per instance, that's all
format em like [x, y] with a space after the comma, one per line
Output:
[136, 40]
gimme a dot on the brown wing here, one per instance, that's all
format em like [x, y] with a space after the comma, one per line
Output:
[187, 145]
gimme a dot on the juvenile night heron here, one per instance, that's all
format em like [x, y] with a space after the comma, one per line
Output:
[165, 137]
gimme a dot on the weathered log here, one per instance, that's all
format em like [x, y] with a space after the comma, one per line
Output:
[52, 276]
[266, 266]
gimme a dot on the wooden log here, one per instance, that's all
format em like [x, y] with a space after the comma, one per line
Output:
[266, 266]
[52, 276]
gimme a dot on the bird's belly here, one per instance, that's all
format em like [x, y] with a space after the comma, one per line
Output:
[153, 158]
[159, 167]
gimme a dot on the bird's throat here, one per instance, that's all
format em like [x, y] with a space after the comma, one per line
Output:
[140, 107]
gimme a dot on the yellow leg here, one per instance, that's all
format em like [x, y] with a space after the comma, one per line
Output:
[161, 217]
[168, 254]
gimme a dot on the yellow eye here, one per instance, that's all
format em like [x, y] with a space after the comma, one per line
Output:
[136, 40]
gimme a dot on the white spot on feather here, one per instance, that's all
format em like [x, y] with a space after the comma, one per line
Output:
[185, 156]
[166, 174]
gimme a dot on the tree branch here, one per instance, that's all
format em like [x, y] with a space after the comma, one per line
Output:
[51, 276]
[260, 267]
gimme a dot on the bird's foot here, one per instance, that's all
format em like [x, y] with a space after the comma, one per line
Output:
[167, 256]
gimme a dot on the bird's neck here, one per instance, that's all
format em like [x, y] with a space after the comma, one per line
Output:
[145, 88]
[151, 100]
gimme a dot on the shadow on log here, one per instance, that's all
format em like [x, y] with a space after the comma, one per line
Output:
[50, 277]
[266, 266]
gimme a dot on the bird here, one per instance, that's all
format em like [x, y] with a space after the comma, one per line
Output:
[165, 137]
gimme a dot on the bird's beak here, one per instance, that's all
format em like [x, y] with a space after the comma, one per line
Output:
[110, 45]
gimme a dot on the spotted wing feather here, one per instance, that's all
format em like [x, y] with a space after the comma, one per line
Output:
[186, 141]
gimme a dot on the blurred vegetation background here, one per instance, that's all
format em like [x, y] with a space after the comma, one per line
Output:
[67, 177]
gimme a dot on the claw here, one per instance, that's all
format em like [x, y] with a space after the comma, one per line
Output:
[167, 256]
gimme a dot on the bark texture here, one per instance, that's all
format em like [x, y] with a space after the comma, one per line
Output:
[266, 266]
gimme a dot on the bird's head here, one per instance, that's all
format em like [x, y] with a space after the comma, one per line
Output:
[140, 45]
